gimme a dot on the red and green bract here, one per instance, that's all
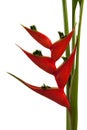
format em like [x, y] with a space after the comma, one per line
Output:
[61, 74]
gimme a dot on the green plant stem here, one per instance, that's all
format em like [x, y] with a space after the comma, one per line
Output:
[73, 23]
[74, 84]
[74, 89]
[66, 26]
[73, 26]
[79, 34]
[66, 29]
[72, 92]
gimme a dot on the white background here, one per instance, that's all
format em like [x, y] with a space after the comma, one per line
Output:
[21, 108]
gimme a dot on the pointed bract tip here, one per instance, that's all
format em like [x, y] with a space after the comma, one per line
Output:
[22, 25]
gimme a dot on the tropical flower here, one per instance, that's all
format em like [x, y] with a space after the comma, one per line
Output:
[61, 74]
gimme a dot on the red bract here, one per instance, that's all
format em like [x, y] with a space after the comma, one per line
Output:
[55, 94]
[39, 37]
[45, 63]
[60, 46]
[63, 72]
[57, 48]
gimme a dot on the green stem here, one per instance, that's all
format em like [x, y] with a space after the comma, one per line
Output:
[74, 84]
[79, 33]
[72, 92]
[66, 29]
[66, 26]
[73, 23]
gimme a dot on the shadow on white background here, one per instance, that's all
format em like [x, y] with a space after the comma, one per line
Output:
[21, 108]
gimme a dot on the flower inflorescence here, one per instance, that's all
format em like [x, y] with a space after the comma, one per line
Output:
[61, 74]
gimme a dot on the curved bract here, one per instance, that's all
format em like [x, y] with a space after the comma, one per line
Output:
[60, 46]
[55, 94]
[45, 63]
[39, 37]
[63, 72]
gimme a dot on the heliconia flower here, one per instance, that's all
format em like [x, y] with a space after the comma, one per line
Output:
[39, 37]
[45, 63]
[56, 48]
[55, 94]
[60, 46]
[63, 72]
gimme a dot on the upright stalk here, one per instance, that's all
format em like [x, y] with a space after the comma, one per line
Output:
[66, 26]
[66, 29]
[79, 32]
[73, 22]
[72, 85]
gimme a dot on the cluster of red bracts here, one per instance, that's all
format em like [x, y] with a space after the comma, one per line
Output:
[61, 73]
